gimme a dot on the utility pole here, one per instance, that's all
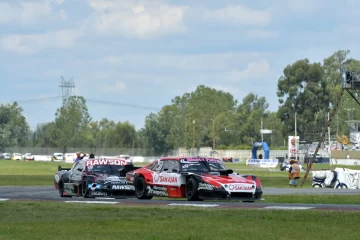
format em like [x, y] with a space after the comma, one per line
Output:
[329, 149]
[213, 133]
[193, 144]
[262, 135]
[296, 142]
[67, 88]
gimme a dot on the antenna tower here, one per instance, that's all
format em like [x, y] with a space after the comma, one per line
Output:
[67, 88]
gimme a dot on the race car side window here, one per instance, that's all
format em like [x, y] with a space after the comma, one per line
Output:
[159, 166]
[74, 167]
[166, 166]
[173, 166]
[81, 165]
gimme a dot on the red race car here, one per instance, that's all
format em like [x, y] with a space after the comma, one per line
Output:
[194, 178]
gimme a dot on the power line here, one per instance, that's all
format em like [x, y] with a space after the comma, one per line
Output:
[34, 100]
[111, 103]
[122, 104]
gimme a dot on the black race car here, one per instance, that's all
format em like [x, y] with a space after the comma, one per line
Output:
[95, 178]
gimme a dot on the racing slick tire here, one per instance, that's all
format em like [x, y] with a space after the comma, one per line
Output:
[61, 190]
[141, 189]
[191, 190]
[84, 189]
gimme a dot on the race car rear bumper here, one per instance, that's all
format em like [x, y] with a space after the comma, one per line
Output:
[112, 191]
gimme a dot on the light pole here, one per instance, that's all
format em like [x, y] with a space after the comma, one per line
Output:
[262, 135]
[296, 142]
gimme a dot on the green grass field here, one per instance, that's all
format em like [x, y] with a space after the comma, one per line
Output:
[49, 220]
[56, 220]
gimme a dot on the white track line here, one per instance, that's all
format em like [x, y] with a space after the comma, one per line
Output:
[192, 205]
[4, 199]
[91, 202]
[288, 208]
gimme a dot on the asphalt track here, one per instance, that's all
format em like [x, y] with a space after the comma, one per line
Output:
[49, 193]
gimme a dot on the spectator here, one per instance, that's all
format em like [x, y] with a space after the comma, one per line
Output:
[294, 173]
[92, 155]
[79, 157]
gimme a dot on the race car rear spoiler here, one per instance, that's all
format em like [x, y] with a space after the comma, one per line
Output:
[60, 168]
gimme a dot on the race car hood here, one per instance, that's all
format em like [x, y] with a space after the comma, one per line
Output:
[231, 178]
[231, 182]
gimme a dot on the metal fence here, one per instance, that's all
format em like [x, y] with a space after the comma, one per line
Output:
[241, 154]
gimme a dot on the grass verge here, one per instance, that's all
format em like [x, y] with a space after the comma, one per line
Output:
[20, 220]
[312, 199]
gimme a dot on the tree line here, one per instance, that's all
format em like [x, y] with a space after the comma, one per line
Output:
[206, 117]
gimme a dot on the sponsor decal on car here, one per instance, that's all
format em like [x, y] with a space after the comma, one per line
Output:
[196, 159]
[90, 163]
[165, 179]
[96, 193]
[120, 187]
[240, 187]
[205, 186]
[115, 180]
[159, 191]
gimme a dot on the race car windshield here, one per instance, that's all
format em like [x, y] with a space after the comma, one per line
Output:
[202, 166]
[107, 169]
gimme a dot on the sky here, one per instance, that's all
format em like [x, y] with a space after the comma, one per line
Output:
[129, 58]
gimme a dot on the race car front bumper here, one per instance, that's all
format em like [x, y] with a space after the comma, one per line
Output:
[222, 194]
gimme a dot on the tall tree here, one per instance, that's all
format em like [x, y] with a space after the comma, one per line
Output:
[248, 118]
[13, 126]
[43, 135]
[334, 67]
[205, 105]
[71, 123]
[303, 96]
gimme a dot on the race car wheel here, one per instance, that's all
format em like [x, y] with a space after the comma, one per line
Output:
[141, 189]
[61, 190]
[191, 190]
[84, 189]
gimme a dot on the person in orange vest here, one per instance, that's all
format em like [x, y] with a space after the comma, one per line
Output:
[294, 173]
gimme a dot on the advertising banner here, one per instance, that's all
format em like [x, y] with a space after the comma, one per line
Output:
[293, 146]
[263, 163]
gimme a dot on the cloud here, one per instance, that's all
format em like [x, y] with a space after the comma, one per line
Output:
[24, 12]
[239, 15]
[188, 62]
[63, 15]
[141, 19]
[32, 43]
[119, 86]
[302, 6]
[59, 1]
[253, 70]
[261, 34]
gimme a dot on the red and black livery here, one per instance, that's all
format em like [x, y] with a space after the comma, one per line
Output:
[194, 178]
